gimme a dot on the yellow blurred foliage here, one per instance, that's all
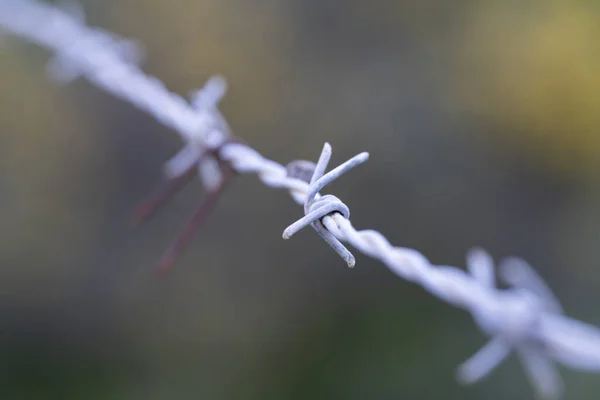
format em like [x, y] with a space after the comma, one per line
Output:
[187, 41]
[42, 148]
[534, 72]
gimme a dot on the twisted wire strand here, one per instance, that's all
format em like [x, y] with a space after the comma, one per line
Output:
[526, 317]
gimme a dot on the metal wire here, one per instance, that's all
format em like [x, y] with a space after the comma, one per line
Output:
[318, 208]
[525, 317]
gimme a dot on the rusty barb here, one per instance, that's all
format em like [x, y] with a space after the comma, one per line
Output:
[174, 184]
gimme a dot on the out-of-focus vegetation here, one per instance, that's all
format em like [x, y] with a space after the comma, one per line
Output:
[532, 70]
[482, 123]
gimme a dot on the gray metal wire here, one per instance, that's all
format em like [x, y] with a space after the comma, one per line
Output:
[526, 317]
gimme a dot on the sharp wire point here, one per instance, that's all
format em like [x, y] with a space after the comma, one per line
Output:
[187, 234]
[162, 194]
[315, 209]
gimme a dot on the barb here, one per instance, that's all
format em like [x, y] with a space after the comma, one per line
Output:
[216, 179]
[319, 208]
[526, 317]
[212, 197]
[161, 195]
[520, 335]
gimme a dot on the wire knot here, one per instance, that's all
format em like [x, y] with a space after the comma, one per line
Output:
[318, 209]
[517, 326]
[328, 204]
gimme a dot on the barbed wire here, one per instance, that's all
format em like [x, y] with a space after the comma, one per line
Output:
[525, 317]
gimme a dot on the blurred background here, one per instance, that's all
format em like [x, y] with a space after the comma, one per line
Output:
[483, 123]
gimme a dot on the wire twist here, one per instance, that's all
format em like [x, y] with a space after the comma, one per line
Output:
[317, 208]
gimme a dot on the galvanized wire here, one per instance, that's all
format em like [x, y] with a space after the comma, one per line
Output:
[525, 317]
